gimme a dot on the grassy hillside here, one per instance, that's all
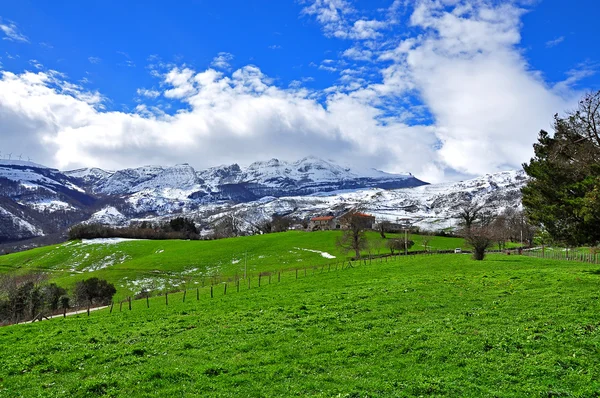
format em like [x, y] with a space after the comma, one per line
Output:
[157, 265]
[420, 326]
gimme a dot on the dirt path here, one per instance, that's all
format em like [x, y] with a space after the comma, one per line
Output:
[68, 314]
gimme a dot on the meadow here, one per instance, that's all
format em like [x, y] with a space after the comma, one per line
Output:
[441, 325]
[172, 264]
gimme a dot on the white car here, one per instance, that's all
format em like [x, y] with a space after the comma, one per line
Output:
[458, 250]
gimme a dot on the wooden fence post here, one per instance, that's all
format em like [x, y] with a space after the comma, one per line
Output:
[211, 291]
[225, 289]
[88, 309]
[237, 285]
[147, 302]
[111, 307]
[184, 293]
[129, 299]
[197, 294]
[279, 277]
[121, 306]
[296, 273]
[269, 279]
[166, 298]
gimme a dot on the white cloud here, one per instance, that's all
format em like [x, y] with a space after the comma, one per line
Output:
[332, 16]
[456, 98]
[359, 54]
[363, 29]
[487, 105]
[222, 61]
[143, 92]
[555, 42]
[94, 60]
[236, 118]
[36, 64]
[11, 32]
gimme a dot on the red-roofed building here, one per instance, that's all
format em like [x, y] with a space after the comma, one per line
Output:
[322, 223]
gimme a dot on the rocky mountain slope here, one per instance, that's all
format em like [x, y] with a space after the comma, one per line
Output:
[431, 207]
[36, 201]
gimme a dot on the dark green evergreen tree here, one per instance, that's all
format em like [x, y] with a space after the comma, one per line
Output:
[563, 191]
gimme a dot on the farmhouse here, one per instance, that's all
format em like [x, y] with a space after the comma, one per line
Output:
[367, 220]
[322, 223]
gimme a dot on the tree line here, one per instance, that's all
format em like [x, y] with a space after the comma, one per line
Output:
[30, 297]
[177, 228]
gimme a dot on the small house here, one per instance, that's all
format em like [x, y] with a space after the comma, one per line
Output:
[322, 223]
[367, 220]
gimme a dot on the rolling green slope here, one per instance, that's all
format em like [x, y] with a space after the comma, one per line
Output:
[159, 265]
[442, 326]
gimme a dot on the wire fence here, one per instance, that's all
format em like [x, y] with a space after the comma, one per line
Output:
[563, 254]
[220, 285]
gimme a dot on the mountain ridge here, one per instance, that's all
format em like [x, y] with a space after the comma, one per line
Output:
[36, 200]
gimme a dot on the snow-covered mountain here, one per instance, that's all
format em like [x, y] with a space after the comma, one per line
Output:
[36, 200]
[271, 178]
[432, 207]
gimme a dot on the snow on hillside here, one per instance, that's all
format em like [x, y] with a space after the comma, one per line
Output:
[233, 182]
[108, 216]
[307, 170]
[23, 228]
[50, 206]
[32, 175]
[89, 174]
[431, 207]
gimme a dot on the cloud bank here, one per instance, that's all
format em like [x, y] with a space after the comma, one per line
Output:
[456, 97]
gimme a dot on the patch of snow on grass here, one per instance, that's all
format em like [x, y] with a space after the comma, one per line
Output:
[105, 241]
[324, 254]
[107, 261]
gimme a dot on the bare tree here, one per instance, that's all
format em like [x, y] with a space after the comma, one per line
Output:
[398, 245]
[588, 117]
[354, 238]
[383, 227]
[280, 223]
[501, 230]
[227, 227]
[480, 238]
[426, 238]
[468, 212]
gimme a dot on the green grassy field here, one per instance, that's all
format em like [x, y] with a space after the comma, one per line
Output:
[171, 264]
[442, 325]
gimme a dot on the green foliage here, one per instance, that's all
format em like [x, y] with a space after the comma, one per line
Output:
[563, 192]
[443, 326]
[94, 291]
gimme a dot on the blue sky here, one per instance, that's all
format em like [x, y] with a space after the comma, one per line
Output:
[314, 77]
